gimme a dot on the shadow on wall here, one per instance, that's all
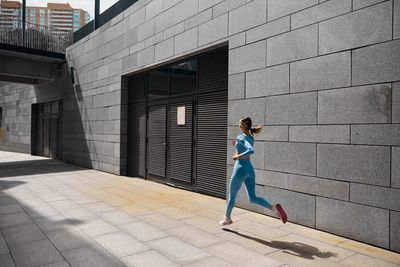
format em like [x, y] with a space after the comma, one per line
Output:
[77, 133]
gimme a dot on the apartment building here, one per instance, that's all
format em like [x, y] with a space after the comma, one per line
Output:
[62, 17]
[10, 13]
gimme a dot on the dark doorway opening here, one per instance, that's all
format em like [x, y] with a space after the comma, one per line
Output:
[47, 129]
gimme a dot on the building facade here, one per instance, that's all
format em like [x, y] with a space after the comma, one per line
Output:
[322, 77]
[58, 16]
[10, 13]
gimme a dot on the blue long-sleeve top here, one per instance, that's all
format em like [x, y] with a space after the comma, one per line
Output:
[244, 145]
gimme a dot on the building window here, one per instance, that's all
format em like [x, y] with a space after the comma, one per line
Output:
[87, 18]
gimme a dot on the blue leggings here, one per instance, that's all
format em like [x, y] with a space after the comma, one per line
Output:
[243, 171]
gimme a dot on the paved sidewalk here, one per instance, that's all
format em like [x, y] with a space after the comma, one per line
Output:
[55, 214]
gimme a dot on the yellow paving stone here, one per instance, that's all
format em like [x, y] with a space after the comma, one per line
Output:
[211, 214]
[161, 221]
[249, 241]
[135, 210]
[258, 229]
[261, 218]
[359, 260]
[118, 201]
[204, 224]
[151, 204]
[375, 252]
[312, 233]
[175, 213]
[316, 248]
[190, 207]
[194, 236]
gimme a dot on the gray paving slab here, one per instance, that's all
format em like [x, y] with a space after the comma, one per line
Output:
[142, 231]
[91, 256]
[149, 258]
[53, 223]
[14, 219]
[78, 215]
[4, 200]
[177, 250]
[22, 233]
[67, 239]
[97, 227]
[3, 246]
[117, 217]
[6, 261]
[10, 208]
[41, 211]
[98, 207]
[195, 236]
[64, 205]
[35, 253]
[58, 264]
[121, 244]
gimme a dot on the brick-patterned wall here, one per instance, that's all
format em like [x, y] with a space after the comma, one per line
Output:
[323, 77]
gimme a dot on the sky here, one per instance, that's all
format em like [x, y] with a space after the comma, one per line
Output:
[87, 5]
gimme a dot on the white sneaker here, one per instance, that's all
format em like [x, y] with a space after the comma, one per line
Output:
[226, 221]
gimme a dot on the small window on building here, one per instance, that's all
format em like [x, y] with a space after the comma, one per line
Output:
[158, 83]
[183, 77]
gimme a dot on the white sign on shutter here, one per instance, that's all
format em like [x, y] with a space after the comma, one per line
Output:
[180, 115]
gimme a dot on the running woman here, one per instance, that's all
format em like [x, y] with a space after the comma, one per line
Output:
[243, 171]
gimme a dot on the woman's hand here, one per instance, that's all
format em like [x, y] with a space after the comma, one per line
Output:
[235, 156]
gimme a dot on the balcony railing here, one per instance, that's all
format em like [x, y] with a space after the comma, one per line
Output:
[35, 36]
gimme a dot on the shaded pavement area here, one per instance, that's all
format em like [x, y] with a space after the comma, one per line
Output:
[56, 214]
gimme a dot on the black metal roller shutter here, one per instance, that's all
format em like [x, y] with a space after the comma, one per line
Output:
[137, 139]
[157, 141]
[213, 71]
[212, 123]
[180, 145]
[212, 143]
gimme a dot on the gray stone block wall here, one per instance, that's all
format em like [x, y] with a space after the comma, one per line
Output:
[322, 77]
[16, 102]
[362, 222]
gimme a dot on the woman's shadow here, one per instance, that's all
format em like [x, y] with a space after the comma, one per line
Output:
[293, 248]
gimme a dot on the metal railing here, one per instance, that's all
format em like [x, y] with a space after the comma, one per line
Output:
[35, 36]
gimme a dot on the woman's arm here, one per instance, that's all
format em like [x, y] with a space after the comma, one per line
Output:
[249, 148]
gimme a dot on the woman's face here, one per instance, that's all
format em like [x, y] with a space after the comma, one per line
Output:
[241, 126]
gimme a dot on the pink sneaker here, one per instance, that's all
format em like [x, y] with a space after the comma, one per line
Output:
[280, 212]
[226, 221]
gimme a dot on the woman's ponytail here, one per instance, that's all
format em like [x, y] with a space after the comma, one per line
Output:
[255, 130]
[246, 122]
